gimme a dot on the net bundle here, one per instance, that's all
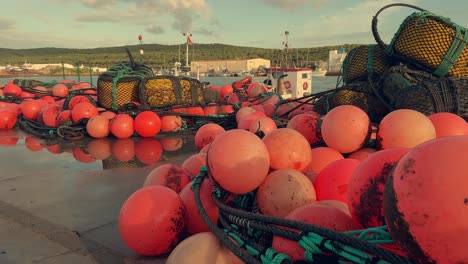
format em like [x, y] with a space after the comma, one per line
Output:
[248, 234]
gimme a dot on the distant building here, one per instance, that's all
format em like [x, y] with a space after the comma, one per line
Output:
[335, 59]
[229, 66]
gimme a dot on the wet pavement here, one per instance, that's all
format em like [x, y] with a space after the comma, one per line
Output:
[59, 204]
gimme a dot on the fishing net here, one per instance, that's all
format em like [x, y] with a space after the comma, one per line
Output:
[166, 91]
[245, 231]
[119, 85]
[405, 88]
[429, 42]
[364, 61]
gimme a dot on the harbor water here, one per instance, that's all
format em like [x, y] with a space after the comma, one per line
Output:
[319, 84]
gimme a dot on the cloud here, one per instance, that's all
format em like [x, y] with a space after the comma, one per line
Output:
[97, 3]
[145, 11]
[352, 24]
[155, 30]
[204, 31]
[293, 5]
[6, 23]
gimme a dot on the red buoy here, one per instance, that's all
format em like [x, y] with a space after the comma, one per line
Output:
[366, 186]
[426, 201]
[247, 164]
[147, 124]
[149, 226]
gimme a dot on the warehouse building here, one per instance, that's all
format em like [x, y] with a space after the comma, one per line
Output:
[229, 66]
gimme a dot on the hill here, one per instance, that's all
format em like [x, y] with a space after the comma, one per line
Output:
[157, 55]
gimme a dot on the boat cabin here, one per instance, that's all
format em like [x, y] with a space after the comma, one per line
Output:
[290, 82]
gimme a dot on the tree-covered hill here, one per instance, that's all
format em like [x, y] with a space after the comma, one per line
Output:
[157, 55]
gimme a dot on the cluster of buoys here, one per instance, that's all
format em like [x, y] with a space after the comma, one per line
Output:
[413, 179]
[63, 105]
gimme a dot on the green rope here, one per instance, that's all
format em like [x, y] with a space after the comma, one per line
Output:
[375, 235]
[122, 70]
[314, 244]
[456, 48]
[272, 256]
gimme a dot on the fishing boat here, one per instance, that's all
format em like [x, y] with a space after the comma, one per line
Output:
[319, 72]
[287, 80]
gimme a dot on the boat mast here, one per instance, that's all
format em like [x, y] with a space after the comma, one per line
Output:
[285, 50]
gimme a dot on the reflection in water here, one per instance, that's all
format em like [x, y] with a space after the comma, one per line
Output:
[112, 152]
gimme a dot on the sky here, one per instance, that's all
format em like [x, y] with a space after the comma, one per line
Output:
[252, 23]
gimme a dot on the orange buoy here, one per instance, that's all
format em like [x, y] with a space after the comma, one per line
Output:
[147, 225]
[171, 144]
[121, 126]
[194, 222]
[247, 164]
[233, 99]
[83, 110]
[14, 108]
[49, 99]
[244, 111]
[321, 157]
[404, 128]
[346, 128]
[171, 123]
[30, 109]
[283, 110]
[12, 90]
[314, 214]
[202, 247]
[306, 124]
[283, 191]
[50, 114]
[75, 100]
[64, 118]
[205, 149]
[147, 124]
[60, 90]
[426, 201]
[172, 176]
[337, 204]
[264, 124]
[98, 126]
[195, 110]
[27, 96]
[366, 186]
[269, 109]
[108, 114]
[332, 182]
[207, 134]
[100, 148]
[448, 124]
[297, 155]
[211, 110]
[148, 150]
[227, 109]
[194, 163]
[246, 121]
[7, 119]
[226, 89]
[362, 154]
[123, 149]
[256, 89]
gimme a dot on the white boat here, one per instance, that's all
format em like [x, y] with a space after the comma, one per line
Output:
[319, 73]
[289, 82]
